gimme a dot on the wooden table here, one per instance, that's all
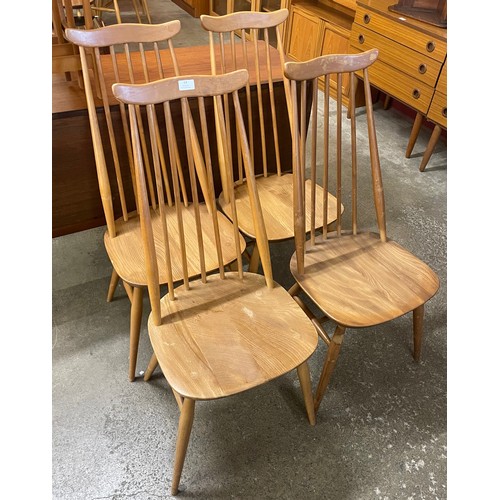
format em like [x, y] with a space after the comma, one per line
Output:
[76, 204]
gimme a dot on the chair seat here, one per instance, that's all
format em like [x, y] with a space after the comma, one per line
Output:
[229, 335]
[126, 252]
[360, 281]
[275, 193]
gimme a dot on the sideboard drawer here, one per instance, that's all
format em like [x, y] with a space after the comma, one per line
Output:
[418, 95]
[409, 61]
[401, 33]
[443, 80]
[438, 110]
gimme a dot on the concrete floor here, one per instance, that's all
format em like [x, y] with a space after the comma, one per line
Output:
[381, 430]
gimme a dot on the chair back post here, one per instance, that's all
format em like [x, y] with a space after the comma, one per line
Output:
[100, 160]
[378, 190]
[258, 217]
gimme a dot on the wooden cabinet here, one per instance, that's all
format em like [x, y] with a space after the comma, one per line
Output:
[305, 29]
[438, 109]
[318, 27]
[194, 7]
[411, 53]
[411, 66]
[222, 7]
[336, 41]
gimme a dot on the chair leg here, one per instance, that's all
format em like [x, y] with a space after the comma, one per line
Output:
[436, 133]
[153, 363]
[305, 384]
[183, 434]
[145, 8]
[117, 12]
[254, 260]
[418, 330]
[137, 13]
[129, 290]
[113, 282]
[135, 330]
[415, 130]
[387, 102]
[329, 365]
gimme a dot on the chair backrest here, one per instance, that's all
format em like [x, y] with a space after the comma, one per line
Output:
[63, 16]
[253, 34]
[128, 53]
[201, 100]
[326, 149]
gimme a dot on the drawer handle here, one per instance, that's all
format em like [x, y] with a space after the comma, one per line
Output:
[361, 39]
[366, 18]
[444, 112]
[430, 46]
[422, 68]
[416, 93]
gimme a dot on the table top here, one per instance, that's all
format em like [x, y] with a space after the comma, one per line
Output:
[68, 96]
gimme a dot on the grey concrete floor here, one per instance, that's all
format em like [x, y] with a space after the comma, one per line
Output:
[381, 431]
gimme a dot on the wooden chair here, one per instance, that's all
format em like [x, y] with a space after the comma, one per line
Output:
[252, 33]
[226, 332]
[130, 53]
[112, 6]
[356, 276]
[65, 58]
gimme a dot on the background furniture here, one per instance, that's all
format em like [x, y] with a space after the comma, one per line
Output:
[194, 8]
[355, 277]
[437, 114]
[318, 27]
[224, 333]
[411, 55]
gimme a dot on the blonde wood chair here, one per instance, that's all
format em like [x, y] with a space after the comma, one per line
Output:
[65, 57]
[253, 33]
[130, 53]
[226, 332]
[141, 9]
[356, 276]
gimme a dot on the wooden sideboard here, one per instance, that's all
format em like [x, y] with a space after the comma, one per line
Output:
[318, 27]
[194, 8]
[411, 66]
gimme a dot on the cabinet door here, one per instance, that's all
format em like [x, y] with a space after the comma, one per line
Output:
[239, 5]
[304, 34]
[335, 40]
[220, 7]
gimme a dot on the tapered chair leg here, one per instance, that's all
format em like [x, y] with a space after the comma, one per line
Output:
[153, 363]
[137, 13]
[183, 434]
[305, 384]
[418, 331]
[113, 282]
[129, 290]
[145, 8]
[415, 130]
[329, 365]
[135, 329]
[253, 267]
